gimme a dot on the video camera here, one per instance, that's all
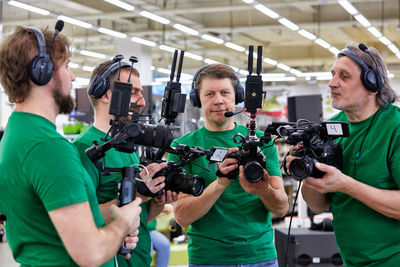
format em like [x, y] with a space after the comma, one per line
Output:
[315, 142]
[250, 155]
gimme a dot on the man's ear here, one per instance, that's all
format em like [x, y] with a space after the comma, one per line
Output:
[106, 98]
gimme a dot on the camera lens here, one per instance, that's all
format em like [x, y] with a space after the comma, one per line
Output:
[253, 171]
[301, 168]
[186, 183]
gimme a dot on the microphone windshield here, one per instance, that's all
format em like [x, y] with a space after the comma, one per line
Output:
[228, 114]
[59, 25]
[363, 47]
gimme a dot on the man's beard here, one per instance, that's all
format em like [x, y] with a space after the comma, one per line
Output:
[65, 103]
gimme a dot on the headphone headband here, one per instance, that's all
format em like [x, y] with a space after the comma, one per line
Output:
[194, 95]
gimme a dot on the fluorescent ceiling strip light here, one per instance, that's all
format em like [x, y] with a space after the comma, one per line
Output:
[334, 50]
[30, 8]
[143, 41]
[248, 1]
[75, 22]
[272, 75]
[394, 49]
[163, 70]
[283, 66]
[348, 7]
[193, 56]
[398, 55]
[322, 43]
[212, 39]
[295, 72]
[82, 81]
[280, 79]
[288, 24]
[121, 4]
[210, 61]
[112, 33]
[92, 54]
[307, 34]
[183, 28]
[314, 74]
[267, 11]
[87, 68]
[167, 48]
[323, 78]
[363, 21]
[235, 47]
[154, 17]
[244, 72]
[375, 32]
[152, 68]
[385, 40]
[270, 61]
[73, 65]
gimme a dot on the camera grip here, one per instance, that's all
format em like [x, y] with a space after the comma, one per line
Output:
[124, 250]
[232, 175]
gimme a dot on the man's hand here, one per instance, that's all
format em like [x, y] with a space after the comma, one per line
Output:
[166, 198]
[226, 166]
[131, 242]
[289, 157]
[129, 213]
[254, 188]
[156, 184]
[332, 181]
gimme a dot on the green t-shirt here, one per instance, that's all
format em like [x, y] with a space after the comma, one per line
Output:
[105, 190]
[237, 229]
[366, 237]
[40, 172]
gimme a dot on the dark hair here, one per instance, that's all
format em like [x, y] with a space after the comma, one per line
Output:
[216, 71]
[101, 69]
[387, 94]
[16, 53]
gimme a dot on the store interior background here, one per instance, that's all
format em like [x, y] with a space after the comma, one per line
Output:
[300, 39]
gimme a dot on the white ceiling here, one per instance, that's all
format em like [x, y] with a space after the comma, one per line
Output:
[231, 20]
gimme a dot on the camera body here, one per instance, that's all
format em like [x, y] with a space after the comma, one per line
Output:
[177, 180]
[316, 145]
[250, 157]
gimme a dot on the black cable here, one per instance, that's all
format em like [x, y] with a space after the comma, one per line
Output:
[290, 223]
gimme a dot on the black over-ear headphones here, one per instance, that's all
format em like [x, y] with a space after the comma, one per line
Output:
[41, 66]
[101, 83]
[371, 79]
[194, 96]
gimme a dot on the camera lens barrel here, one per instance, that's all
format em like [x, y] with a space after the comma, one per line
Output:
[253, 171]
[303, 167]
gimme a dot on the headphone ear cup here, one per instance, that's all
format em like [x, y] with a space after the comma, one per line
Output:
[370, 80]
[41, 70]
[194, 98]
[239, 98]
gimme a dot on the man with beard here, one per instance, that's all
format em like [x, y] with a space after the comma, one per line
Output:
[365, 193]
[100, 96]
[53, 217]
[230, 223]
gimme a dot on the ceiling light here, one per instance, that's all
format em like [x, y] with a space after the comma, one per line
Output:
[363, 21]
[210, 61]
[307, 34]
[75, 22]
[87, 68]
[121, 4]
[248, 1]
[193, 56]
[167, 48]
[235, 47]
[295, 72]
[280, 79]
[322, 43]
[266, 11]
[29, 8]
[183, 28]
[244, 72]
[375, 32]
[92, 54]
[143, 41]
[394, 49]
[398, 55]
[334, 50]
[288, 24]
[212, 39]
[272, 75]
[112, 33]
[165, 71]
[73, 65]
[385, 40]
[348, 7]
[270, 61]
[154, 17]
[283, 66]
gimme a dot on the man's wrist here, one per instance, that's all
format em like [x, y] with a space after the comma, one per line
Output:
[158, 203]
